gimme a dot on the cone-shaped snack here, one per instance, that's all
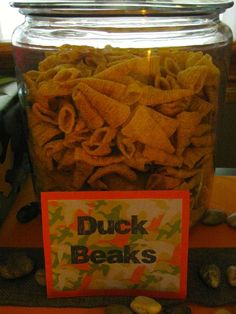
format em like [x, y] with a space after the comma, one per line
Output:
[81, 155]
[126, 145]
[99, 144]
[180, 57]
[152, 96]
[193, 58]
[88, 113]
[162, 83]
[112, 89]
[173, 82]
[138, 162]
[213, 75]
[80, 134]
[67, 159]
[82, 171]
[132, 93]
[66, 73]
[212, 94]
[193, 78]
[180, 173]
[167, 124]
[170, 67]
[120, 169]
[202, 129]
[44, 132]
[119, 70]
[32, 118]
[173, 108]
[188, 122]
[202, 106]
[102, 135]
[203, 141]
[44, 113]
[146, 66]
[142, 127]
[160, 157]
[114, 113]
[193, 155]
[96, 150]
[51, 152]
[158, 181]
[66, 118]
[53, 88]
[114, 182]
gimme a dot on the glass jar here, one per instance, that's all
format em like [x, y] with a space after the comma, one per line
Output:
[122, 95]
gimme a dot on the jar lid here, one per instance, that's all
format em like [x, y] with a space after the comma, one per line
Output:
[121, 7]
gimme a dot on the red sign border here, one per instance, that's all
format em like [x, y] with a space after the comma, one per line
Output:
[100, 195]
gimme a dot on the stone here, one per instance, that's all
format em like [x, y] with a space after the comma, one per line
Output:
[231, 275]
[28, 212]
[15, 265]
[231, 220]
[117, 309]
[40, 277]
[211, 275]
[222, 311]
[214, 217]
[178, 309]
[145, 305]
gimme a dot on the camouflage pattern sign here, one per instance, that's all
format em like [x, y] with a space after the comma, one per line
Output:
[114, 243]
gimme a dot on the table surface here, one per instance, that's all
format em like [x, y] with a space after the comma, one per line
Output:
[223, 197]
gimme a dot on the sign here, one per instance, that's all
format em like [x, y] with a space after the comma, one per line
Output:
[116, 243]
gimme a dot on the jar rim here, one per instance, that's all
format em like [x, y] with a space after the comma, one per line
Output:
[121, 7]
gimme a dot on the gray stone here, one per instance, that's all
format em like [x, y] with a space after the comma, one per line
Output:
[117, 309]
[28, 212]
[211, 275]
[231, 275]
[231, 220]
[15, 265]
[214, 217]
[178, 309]
[40, 277]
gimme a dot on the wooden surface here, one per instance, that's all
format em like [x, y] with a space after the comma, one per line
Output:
[6, 60]
[14, 234]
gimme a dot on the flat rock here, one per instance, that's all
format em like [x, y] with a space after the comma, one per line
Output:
[145, 305]
[231, 220]
[28, 212]
[210, 275]
[40, 277]
[231, 275]
[15, 265]
[214, 217]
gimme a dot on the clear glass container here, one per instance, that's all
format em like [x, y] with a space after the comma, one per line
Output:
[122, 95]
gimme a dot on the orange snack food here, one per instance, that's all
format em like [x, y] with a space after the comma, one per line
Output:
[98, 115]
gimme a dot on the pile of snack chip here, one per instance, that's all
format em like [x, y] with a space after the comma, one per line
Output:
[124, 119]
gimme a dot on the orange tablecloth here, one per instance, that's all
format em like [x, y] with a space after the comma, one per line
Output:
[13, 234]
